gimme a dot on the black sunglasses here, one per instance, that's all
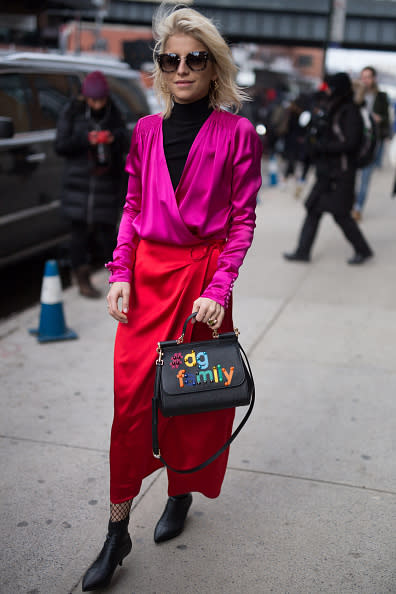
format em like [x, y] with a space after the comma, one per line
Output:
[196, 61]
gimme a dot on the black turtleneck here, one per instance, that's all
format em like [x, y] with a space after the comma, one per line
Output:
[179, 132]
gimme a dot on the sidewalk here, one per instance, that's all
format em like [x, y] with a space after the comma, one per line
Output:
[309, 501]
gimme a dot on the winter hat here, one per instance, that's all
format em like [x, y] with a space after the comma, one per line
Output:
[95, 85]
[339, 84]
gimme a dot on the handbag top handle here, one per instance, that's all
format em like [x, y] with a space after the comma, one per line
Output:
[190, 317]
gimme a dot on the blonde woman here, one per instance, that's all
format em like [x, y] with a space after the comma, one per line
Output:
[188, 221]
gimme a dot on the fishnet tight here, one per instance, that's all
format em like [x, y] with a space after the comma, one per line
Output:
[120, 511]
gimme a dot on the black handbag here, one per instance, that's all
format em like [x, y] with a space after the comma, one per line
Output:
[198, 377]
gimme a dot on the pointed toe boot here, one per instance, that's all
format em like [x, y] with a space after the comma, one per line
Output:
[297, 257]
[117, 546]
[171, 523]
[358, 258]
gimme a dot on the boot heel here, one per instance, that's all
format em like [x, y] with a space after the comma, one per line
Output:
[126, 552]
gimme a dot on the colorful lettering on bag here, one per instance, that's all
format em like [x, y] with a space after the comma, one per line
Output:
[189, 379]
[190, 359]
[180, 377]
[204, 375]
[202, 360]
[176, 360]
[228, 375]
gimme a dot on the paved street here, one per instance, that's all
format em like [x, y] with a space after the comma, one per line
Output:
[309, 501]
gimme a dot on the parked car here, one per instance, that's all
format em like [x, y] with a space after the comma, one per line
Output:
[33, 89]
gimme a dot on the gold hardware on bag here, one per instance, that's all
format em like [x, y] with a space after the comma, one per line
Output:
[158, 456]
[215, 334]
[180, 339]
[159, 361]
[237, 333]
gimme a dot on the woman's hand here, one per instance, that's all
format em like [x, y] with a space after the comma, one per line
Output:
[209, 312]
[118, 291]
[93, 137]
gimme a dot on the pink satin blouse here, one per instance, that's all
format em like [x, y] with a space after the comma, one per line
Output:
[215, 198]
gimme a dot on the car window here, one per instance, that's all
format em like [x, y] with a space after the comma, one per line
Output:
[52, 91]
[75, 84]
[129, 99]
[15, 97]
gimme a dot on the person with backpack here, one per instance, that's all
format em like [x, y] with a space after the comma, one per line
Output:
[377, 104]
[335, 149]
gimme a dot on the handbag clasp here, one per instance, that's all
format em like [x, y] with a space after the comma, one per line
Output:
[159, 361]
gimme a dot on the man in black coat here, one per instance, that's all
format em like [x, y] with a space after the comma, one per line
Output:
[92, 136]
[338, 136]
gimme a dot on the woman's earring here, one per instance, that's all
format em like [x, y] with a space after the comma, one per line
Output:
[164, 88]
[213, 89]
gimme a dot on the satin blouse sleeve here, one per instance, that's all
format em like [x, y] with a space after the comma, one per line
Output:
[245, 184]
[123, 255]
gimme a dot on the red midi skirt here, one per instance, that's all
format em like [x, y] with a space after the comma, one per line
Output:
[166, 281]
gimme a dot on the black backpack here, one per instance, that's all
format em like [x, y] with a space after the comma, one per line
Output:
[366, 153]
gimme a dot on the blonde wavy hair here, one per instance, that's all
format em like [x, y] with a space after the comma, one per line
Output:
[168, 21]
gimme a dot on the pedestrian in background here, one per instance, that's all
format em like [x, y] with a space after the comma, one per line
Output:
[189, 216]
[294, 151]
[377, 104]
[92, 137]
[338, 137]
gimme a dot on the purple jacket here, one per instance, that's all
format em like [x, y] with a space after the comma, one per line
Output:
[215, 198]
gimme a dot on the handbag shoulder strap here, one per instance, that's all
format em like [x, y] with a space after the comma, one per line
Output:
[155, 407]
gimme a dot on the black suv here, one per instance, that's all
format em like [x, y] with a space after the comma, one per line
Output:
[33, 90]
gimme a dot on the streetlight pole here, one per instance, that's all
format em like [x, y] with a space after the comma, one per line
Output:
[101, 11]
[335, 27]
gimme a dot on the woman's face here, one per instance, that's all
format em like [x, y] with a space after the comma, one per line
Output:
[184, 84]
[367, 78]
[96, 104]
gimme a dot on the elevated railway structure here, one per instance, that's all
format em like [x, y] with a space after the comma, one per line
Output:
[369, 24]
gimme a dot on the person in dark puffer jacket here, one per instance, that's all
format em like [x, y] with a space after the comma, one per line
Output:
[92, 137]
[334, 153]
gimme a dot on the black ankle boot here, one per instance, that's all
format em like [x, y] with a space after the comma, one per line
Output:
[297, 257]
[117, 545]
[171, 523]
[360, 258]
